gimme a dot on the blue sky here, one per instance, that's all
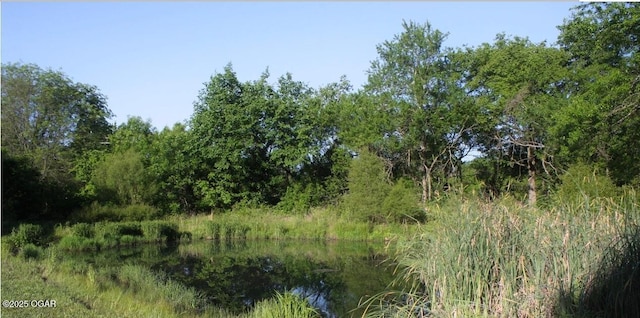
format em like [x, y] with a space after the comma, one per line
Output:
[152, 58]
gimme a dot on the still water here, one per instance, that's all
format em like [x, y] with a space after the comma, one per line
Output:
[333, 276]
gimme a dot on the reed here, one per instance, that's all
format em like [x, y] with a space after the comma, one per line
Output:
[507, 260]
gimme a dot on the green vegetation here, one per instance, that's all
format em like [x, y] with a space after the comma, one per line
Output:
[507, 260]
[284, 305]
[513, 232]
[132, 291]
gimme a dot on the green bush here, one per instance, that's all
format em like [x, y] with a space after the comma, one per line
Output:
[160, 231]
[29, 251]
[83, 230]
[97, 212]
[138, 212]
[368, 188]
[582, 183]
[26, 234]
[401, 204]
[116, 230]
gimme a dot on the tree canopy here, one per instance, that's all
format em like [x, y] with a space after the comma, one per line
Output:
[527, 112]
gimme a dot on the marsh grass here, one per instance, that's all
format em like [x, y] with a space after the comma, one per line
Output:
[260, 224]
[284, 305]
[507, 260]
[92, 237]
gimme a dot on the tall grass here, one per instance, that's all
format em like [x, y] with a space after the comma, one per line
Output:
[285, 305]
[257, 224]
[91, 237]
[506, 260]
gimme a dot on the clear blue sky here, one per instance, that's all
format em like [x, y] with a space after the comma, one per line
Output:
[152, 58]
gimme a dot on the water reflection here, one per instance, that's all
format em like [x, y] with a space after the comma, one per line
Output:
[333, 276]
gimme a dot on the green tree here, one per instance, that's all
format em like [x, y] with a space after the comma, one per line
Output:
[601, 120]
[174, 170]
[229, 142]
[135, 134]
[121, 178]
[256, 141]
[368, 187]
[519, 84]
[48, 122]
[425, 115]
[45, 115]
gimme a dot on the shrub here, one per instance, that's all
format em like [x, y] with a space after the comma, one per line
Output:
[116, 230]
[30, 251]
[26, 234]
[97, 212]
[368, 187]
[582, 183]
[160, 230]
[401, 204]
[83, 230]
[138, 212]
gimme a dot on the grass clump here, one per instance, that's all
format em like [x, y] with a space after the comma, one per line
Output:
[155, 287]
[157, 231]
[30, 251]
[284, 305]
[84, 230]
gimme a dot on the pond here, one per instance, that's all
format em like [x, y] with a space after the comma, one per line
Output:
[334, 276]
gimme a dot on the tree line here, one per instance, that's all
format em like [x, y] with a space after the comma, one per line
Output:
[525, 112]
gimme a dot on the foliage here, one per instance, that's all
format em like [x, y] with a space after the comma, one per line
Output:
[518, 84]
[26, 234]
[173, 170]
[599, 124]
[20, 185]
[368, 185]
[254, 140]
[122, 179]
[582, 182]
[45, 115]
[96, 212]
[401, 203]
[47, 121]
[416, 86]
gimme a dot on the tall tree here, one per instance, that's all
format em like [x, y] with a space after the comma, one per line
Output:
[520, 84]
[417, 88]
[48, 122]
[252, 139]
[45, 115]
[601, 121]
[174, 170]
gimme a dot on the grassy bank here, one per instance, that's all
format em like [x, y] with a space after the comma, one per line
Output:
[33, 266]
[318, 224]
[79, 290]
[507, 260]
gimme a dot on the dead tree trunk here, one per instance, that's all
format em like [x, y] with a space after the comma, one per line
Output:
[531, 167]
